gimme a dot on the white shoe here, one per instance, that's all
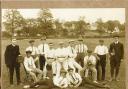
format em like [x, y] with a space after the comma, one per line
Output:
[95, 81]
[46, 78]
[36, 86]
[26, 86]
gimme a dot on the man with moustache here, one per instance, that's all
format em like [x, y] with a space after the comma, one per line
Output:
[116, 52]
[12, 53]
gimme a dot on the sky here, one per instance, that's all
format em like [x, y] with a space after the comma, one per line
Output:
[68, 14]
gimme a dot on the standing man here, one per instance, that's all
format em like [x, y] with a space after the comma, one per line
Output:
[102, 52]
[43, 49]
[35, 53]
[81, 50]
[116, 52]
[11, 54]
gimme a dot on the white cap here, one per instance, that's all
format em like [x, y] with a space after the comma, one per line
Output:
[28, 49]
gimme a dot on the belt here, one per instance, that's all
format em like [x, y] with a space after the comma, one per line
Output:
[60, 57]
[50, 58]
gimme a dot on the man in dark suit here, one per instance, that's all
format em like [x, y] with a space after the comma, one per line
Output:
[116, 52]
[11, 55]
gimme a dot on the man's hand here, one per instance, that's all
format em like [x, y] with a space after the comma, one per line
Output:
[122, 60]
[112, 54]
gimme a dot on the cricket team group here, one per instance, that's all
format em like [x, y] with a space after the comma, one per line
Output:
[70, 66]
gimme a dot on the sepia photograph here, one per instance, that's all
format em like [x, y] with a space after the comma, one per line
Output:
[69, 48]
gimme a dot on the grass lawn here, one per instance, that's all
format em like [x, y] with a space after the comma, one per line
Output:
[91, 43]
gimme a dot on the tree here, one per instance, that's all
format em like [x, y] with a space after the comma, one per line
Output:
[14, 21]
[81, 26]
[45, 20]
[100, 26]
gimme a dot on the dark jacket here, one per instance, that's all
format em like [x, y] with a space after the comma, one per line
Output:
[117, 49]
[11, 55]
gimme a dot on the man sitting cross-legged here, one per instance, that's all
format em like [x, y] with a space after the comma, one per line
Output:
[56, 82]
[74, 79]
[31, 68]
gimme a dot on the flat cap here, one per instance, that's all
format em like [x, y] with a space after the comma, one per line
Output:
[63, 71]
[31, 41]
[89, 51]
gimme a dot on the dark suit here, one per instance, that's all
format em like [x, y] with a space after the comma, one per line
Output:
[11, 54]
[115, 59]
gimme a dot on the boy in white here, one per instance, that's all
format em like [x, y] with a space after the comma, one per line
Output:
[61, 81]
[90, 64]
[74, 79]
[35, 52]
[31, 68]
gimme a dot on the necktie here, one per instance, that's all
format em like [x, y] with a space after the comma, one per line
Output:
[72, 49]
[43, 47]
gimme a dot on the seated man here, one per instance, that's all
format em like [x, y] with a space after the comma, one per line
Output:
[57, 81]
[61, 81]
[89, 64]
[31, 68]
[74, 79]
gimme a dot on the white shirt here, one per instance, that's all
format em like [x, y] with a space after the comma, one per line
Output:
[50, 56]
[33, 49]
[81, 48]
[29, 63]
[101, 50]
[91, 59]
[51, 53]
[60, 81]
[43, 48]
[61, 52]
[71, 52]
[75, 78]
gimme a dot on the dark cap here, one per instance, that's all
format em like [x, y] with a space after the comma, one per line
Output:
[50, 43]
[70, 69]
[101, 40]
[31, 41]
[28, 51]
[89, 51]
[115, 36]
[63, 71]
[80, 39]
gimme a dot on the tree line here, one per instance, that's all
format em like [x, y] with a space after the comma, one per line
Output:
[45, 24]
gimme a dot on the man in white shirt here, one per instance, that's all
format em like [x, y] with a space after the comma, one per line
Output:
[61, 54]
[61, 81]
[51, 54]
[74, 79]
[70, 61]
[31, 68]
[90, 64]
[43, 49]
[81, 50]
[35, 52]
[102, 52]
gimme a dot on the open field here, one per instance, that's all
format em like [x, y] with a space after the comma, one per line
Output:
[91, 43]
